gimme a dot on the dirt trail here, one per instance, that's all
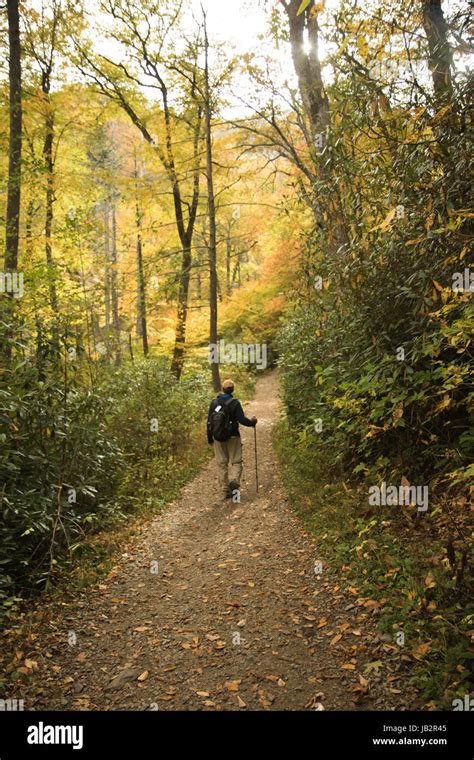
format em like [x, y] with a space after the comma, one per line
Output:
[231, 617]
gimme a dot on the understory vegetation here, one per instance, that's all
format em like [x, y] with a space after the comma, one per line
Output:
[79, 457]
[376, 350]
[396, 563]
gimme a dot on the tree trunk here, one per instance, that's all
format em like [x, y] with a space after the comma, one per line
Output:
[30, 210]
[113, 287]
[439, 58]
[106, 267]
[177, 362]
[12, 220]
[236, 273]
[141, 293]
[198, 276]
[48, 226]
[227, 265]
[316, 105]
[212, 250]
[14, 150]
[184, 211]
[141, 290]
[308, 67]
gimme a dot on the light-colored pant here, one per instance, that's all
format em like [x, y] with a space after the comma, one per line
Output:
[229, 462]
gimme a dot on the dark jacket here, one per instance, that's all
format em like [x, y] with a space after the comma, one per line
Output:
[235, 411]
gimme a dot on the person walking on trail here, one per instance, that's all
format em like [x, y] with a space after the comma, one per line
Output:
[223, 419]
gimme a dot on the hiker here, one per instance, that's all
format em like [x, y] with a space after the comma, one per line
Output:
[225, 414]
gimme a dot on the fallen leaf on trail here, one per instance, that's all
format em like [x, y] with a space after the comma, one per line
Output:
[240, 702]
[143, 675]
[203, 693]
[68, 679]
[313, 703]
[142, 628]
[322, 623]
[281, 682]
[373, 666]
[263, 699]
[232, 685]
[82, 656]
[336, 638]
[348, 666]
[30, 664]
[371, 604]
[82, 703]
[251, 584]
[220, 644]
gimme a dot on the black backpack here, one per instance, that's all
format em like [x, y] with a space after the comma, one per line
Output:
[221, 423]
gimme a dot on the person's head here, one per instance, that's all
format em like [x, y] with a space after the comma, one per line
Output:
[228, 386]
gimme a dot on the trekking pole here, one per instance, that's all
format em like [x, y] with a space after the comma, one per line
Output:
[256, 464]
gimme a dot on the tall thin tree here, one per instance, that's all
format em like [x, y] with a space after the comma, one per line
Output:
[14, 150]
[212, 250]
[141, 286]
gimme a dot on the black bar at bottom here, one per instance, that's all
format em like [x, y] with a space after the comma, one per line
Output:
[145, 734]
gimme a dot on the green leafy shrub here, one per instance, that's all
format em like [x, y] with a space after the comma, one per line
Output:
[76, 458]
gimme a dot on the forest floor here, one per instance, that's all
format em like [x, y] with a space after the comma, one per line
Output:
[217, 606]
